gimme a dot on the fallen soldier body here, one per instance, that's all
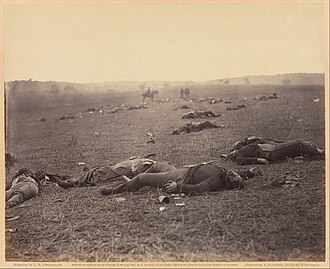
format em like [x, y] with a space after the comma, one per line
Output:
[254, 140]
[274, 152]
[236, 107]
[195, 127]
[24, 185]
[137, 107]
[199, 114]
[215, 101]
[264, 98]
[189, 180]
[125, 169]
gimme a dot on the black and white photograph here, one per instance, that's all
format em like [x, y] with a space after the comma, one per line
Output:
[165, 134]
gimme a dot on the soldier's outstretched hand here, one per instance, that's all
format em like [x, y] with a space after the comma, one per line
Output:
[262, 161]
[255, 171]
[170, 186]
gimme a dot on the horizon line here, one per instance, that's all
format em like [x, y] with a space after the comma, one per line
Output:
[155, 80]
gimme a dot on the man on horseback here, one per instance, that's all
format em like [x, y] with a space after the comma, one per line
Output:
[149, 94]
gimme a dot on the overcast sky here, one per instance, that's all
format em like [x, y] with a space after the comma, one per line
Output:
[94, 43]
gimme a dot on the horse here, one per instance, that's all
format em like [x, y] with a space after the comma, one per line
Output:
[149, 94]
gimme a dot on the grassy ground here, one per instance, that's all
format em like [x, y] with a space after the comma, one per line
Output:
[257, 223]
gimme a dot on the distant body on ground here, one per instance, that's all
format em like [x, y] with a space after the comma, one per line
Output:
[199, 114]
[195, 127]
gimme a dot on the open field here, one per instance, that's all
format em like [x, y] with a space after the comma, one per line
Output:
[257, 223]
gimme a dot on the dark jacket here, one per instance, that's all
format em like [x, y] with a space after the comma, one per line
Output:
[247, 155]
[204, 178]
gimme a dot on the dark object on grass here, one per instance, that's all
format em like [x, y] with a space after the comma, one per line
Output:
[195, 127]
[273, 96]
[137, 107]
[199, 114]
[150, 155]
[264, 98]
[115, 109]
[184, 107]
[92, 109]
[67, 117]
[163, 199]
[236, 107]
[254, 140]
[277, 182]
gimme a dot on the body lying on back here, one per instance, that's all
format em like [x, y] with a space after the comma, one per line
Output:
[255, 140]
[197, 179]
[275, 152]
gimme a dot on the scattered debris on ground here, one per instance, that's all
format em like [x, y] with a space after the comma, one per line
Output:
[67, 117]
[288, 180]
[151, 138]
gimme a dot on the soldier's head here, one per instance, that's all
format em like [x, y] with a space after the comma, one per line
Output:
[240, 144]
[246, 141]
[24, 171]
[233, 180]
[180, 130]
